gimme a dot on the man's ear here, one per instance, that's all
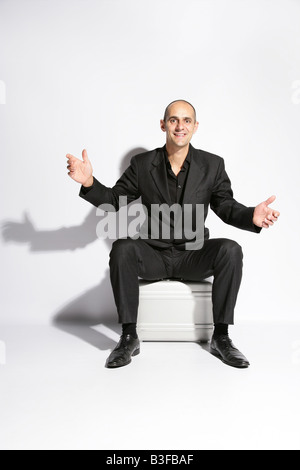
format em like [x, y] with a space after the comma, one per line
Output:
[196, 127]
[162, 125]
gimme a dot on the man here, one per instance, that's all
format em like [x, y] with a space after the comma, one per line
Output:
[175, 174]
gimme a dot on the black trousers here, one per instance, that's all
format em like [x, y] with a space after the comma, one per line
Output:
[134, 259]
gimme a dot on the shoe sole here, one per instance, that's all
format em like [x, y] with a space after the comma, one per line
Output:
[135, 353]
[215, 353]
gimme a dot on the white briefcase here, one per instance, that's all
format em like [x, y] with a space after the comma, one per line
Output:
[175, 311]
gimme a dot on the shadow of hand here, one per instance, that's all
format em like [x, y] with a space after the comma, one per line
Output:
[21, 232]
[62, 239]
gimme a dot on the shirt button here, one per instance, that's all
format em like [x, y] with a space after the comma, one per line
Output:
[179, 187]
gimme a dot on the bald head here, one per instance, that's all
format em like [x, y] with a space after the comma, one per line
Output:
[168, 108]
[179, 124]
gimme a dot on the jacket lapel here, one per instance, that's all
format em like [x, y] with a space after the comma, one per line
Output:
[196, 177]
[159, 175]
[195, 180]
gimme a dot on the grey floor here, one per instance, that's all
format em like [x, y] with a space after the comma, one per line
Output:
[56, 393]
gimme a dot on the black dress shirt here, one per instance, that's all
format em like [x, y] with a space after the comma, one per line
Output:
[176, 184]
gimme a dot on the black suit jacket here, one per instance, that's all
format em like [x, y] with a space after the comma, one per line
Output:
[207, 183]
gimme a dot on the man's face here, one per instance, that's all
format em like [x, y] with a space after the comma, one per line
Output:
[180, 124]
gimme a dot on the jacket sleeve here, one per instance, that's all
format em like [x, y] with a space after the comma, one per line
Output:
[226, 207]
[126, 186]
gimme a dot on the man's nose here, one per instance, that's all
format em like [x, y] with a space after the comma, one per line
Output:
[179, 125]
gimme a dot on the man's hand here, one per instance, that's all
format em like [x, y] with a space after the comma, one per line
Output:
[80, 171]
[263, 215]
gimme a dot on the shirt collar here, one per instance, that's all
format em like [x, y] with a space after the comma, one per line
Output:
[187, 161]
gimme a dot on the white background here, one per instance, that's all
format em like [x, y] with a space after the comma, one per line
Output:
[98, 75]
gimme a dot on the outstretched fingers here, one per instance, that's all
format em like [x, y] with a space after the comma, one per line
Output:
[268, 221]
[84, 155]
[270, 200]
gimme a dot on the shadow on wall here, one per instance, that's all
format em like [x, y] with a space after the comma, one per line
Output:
[94, 307]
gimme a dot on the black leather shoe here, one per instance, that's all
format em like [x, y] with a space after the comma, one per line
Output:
[123, 352]
[223, 348]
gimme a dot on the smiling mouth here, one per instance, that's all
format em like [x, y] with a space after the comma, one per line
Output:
[179, 135]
